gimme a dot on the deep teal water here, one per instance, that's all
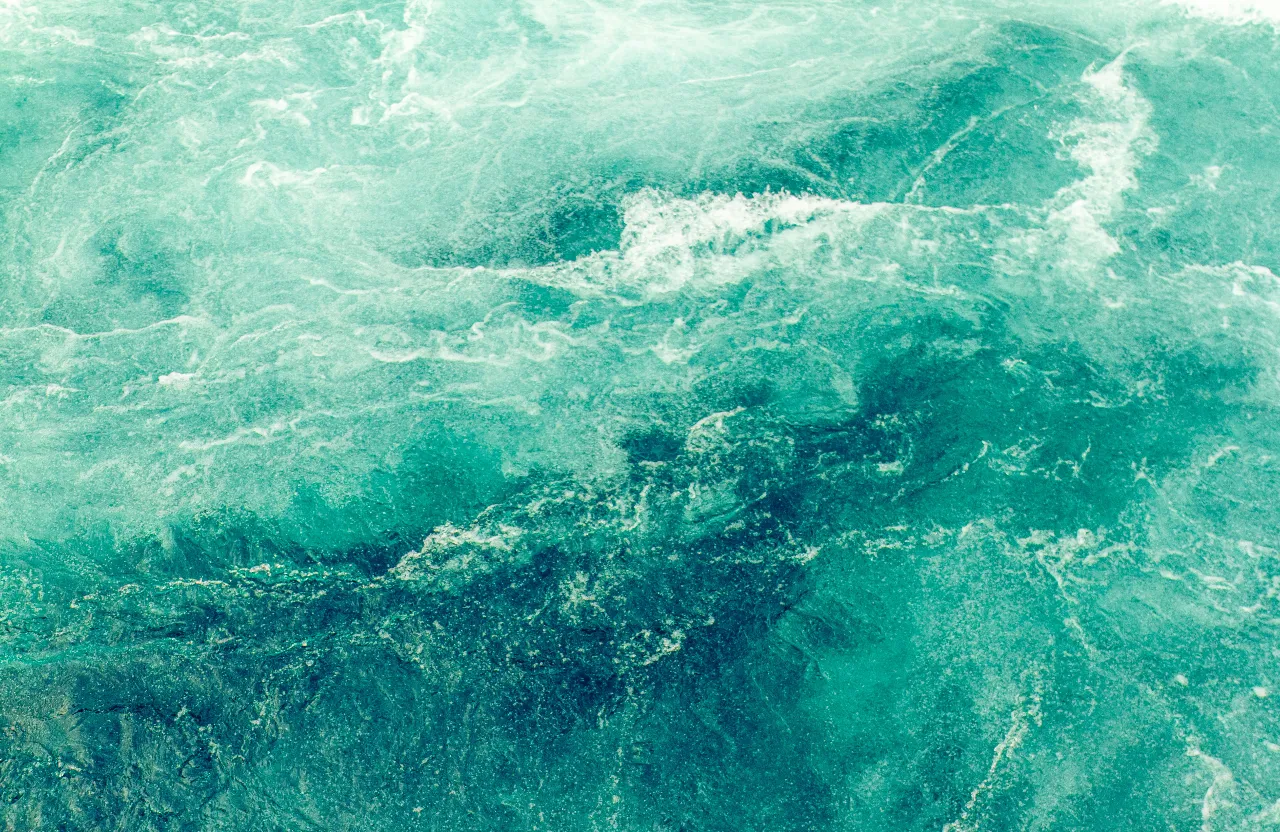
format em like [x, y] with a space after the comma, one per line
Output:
[620, 415]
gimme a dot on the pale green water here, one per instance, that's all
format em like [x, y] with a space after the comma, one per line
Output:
[819, 415]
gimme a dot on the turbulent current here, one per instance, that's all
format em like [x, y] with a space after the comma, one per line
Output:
[642, 415]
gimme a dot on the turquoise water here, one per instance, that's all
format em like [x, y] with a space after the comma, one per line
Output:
[639, 415]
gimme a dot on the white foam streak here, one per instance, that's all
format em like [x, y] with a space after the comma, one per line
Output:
[1108, 144]
[664, 237]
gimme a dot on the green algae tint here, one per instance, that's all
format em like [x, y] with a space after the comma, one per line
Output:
[675, 416]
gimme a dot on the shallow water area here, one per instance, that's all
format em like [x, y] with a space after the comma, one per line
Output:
[668, 415]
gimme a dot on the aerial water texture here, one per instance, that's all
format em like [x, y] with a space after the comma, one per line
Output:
[642, 415]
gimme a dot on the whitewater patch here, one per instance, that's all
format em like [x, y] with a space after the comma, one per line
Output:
[1238, 12]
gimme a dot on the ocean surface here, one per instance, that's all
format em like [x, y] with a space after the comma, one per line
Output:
[641, 415]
